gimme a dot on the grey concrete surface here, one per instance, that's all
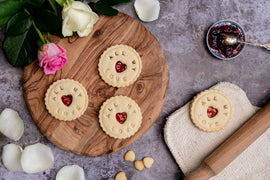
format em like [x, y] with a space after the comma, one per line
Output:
[181, 30]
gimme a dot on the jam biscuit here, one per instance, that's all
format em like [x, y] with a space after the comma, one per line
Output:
[129, 156]
[120, 117]
[121, 176]
[119, 65]
[66, 99]
[139, 165]
[211, 110]
[148, 161]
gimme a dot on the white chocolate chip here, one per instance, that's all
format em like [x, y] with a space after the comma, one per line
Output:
[148, 161]
[121, 176]
[129, 156]
[139, 165]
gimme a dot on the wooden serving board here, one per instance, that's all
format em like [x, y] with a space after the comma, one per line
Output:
[84, 135]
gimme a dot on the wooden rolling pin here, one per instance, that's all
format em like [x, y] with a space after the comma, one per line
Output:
[233, 146]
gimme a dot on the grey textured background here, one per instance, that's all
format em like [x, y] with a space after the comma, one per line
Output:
[181, 30]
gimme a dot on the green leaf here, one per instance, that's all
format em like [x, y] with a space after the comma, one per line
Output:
[8, 8]
[3, 21]
[47, 21]
[54, 6]
[61, 2]
[33, 3]
[18, 24]
[102, 7]
[116, 2]
[21, 50]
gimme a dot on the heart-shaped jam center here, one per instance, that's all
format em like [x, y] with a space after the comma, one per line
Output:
[121, 117]
[67, 99]
[211, 112]
[120, 67]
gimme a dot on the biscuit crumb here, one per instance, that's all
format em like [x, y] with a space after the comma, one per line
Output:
[148, 161]
[139, 165]
[130, 156]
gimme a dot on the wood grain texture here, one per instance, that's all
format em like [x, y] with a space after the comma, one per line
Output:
[84, 135]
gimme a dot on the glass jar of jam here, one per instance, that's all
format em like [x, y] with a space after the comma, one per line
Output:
[215, 39]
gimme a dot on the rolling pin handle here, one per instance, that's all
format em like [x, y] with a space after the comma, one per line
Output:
[203, 173]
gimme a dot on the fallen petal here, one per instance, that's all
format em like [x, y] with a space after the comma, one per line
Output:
[11, 125]
[72, 172]
[36, 158]
[11, 157]
[147, 10]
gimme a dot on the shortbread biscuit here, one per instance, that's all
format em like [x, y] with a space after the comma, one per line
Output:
[119, 65]
[148, 161]
[121, 176]
[129, 156]
[139, 165]
[120, 117]
[211, 110]
[66, 99]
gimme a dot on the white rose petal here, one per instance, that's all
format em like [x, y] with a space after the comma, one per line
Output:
[11, 125]
[73, 172]
[78, 17]
[80, 6]
[36, 158]
[11, 157]
[85, 32]
[66, 31]
[147, 10]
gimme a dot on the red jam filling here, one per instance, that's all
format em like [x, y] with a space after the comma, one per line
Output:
[216, 40]
[211, 112]
[120, 67]
[121, 117]
[67, 100]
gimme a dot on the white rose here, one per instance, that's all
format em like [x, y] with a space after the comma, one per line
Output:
[78, 17]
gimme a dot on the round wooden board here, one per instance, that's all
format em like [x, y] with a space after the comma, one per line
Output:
[84, 135]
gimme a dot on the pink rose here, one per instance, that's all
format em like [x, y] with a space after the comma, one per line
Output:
[52, 58]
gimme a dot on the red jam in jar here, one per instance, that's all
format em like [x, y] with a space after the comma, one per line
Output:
[215, 40]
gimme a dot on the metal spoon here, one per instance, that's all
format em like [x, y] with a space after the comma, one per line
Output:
[230, 39]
